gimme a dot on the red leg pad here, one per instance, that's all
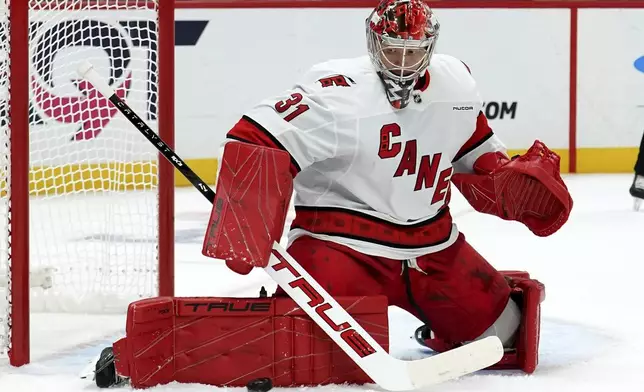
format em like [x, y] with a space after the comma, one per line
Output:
[230, 341]
[145, 354]
[528, 294]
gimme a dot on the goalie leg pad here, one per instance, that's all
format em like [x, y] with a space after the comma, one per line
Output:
[231, 341]
[253, 193]
[528, 294]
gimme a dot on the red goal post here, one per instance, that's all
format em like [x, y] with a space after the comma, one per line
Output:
[18, 80]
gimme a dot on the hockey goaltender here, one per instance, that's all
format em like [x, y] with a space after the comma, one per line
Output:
[371, 146]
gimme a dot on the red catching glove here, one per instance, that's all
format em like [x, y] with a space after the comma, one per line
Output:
[527, 189]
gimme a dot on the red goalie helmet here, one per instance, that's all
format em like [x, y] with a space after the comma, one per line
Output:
[401, 37]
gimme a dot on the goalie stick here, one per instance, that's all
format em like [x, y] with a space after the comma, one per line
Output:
[388, 372]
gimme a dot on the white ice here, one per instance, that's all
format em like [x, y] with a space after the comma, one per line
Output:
[592, 323]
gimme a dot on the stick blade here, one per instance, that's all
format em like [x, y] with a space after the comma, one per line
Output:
[456, 363]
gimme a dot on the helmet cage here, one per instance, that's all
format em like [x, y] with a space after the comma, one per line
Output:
[403, 70]
[403, 25]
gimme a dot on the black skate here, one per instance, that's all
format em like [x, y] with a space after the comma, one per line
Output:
[637, 191]
[422, 334]
[105, 373]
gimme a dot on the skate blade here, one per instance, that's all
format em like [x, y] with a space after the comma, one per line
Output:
[88, 371]
[637, 203]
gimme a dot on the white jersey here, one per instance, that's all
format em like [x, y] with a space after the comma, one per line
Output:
[369, 176]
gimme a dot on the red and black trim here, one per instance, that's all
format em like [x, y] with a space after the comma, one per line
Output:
[345, 223]
[250, 131]
[481, 134]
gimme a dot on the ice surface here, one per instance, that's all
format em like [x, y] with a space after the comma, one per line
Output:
[592, 323]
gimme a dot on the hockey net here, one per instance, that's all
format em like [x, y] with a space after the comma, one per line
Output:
[93, 180]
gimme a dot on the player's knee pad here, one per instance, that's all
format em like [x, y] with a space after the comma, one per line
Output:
[231, 341]
[524, 354]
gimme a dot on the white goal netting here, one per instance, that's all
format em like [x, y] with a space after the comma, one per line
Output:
[93, 202]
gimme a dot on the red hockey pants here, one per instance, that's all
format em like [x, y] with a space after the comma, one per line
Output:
[459, 293]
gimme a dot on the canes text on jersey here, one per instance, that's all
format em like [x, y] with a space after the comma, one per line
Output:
[425, 170]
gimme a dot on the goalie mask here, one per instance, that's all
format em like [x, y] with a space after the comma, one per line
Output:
[401, 37]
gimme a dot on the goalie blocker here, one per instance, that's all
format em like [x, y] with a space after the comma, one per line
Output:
[254, 189]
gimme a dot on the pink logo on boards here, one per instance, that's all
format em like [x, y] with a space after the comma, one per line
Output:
[86, 106]
[90, 108]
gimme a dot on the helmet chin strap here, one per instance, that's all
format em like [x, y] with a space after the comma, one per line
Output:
[398, 92]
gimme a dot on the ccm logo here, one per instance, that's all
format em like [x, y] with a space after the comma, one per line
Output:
[356, 341]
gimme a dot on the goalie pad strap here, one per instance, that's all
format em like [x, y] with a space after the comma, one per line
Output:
[253, 193]
[230, 341]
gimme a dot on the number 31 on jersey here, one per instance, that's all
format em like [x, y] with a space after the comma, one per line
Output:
[286, 104]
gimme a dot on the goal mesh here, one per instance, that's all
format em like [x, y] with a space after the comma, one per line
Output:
[93, 201]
